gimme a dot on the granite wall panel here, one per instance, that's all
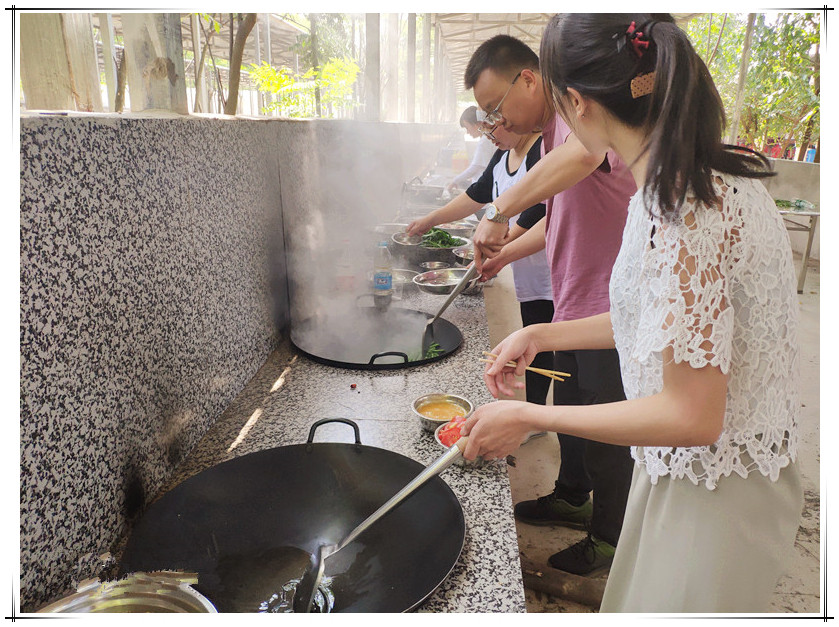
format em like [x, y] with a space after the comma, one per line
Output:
[146, 306]
[155, 262]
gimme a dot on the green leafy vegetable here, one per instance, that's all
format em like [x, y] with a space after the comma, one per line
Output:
[434, 350]
[438, 238]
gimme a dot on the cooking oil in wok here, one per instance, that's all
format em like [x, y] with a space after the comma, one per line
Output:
[265, 581]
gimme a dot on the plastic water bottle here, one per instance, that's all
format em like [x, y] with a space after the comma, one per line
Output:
[382, 277]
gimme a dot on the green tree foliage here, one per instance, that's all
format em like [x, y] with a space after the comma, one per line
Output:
[782, 87]
[295, 96]
[321, 88]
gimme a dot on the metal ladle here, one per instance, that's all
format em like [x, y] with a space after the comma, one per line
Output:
[304, 595]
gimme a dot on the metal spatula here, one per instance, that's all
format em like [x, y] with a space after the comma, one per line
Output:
[304, 595]
[470, 274]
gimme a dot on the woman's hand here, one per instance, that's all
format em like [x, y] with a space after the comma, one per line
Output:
[496, 429]
[519, 347]
[420, 226]
[491, 268]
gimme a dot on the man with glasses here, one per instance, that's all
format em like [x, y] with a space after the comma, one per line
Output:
[491, 120]
[587, 197]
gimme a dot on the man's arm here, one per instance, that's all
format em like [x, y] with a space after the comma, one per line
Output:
[564, 166]
[529, 242]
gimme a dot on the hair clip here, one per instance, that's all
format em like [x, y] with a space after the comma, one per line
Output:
[639, 45]
[642, 85]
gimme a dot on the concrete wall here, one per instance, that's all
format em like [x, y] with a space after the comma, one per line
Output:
[797, 179]
[153, 285]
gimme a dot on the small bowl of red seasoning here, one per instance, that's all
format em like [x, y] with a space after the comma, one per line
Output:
[449, 433]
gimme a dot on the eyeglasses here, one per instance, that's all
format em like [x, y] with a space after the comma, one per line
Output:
[493, 118]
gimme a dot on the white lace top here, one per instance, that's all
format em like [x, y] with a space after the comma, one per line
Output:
[717, 285]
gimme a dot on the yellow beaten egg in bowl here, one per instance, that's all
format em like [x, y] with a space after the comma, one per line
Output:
[434, 410]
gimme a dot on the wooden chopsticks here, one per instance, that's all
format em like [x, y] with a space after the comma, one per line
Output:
[556, 375]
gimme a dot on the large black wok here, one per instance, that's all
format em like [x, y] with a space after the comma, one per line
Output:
[249, 525]
[372, 339]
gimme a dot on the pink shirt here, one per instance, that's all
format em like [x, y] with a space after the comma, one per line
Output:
[583, 231]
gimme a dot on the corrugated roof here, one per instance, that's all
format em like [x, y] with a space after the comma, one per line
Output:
[462, 33]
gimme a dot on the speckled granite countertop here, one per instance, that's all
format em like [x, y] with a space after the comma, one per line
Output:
[291, 392]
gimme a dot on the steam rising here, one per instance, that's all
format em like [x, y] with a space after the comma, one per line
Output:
[331, 238]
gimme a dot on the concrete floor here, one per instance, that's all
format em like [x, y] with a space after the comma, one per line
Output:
[537, 462]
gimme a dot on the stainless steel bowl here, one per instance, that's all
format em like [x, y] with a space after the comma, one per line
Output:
[460, 461]
[431, 424]
[434, 265]
[410, 249]
[403, 239]
[136, 593]
[405, 278]
[461, 228]
[388, 229]
[442, 281]
[465, 255]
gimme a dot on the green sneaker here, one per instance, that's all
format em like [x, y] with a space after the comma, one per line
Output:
[585, 557]
[552, 510]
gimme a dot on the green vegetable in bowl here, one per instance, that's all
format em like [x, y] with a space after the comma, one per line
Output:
[438, 238]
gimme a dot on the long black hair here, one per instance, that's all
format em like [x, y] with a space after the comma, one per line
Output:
[683, 117]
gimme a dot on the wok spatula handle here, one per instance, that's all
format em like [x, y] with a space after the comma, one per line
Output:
[432, 470]
[461, 285]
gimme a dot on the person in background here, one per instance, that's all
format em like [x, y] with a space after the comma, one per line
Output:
[587, 194]
[704, 314]
[483, 151]
[516, 155]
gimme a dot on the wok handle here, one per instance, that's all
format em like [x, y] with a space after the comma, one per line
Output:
[387, 354]
[325, 420]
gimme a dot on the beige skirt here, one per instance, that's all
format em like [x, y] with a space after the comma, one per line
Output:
[684, 548]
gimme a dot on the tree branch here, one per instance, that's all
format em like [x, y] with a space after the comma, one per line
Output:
[716, 47]
[245, 27]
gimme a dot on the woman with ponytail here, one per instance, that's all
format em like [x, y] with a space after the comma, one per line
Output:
[703, 313]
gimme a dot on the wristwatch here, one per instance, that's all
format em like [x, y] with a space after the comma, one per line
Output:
[493, 215]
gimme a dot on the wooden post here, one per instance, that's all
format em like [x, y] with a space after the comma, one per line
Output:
[426, 68]
[390, 88]
[267, 97]
[741, 80]
[81, 52]
[58, 62]
[154, 53]
[410, 73]
[260, 101]
[372, 68]
[200, 74]
[436, 111]
[106, 31]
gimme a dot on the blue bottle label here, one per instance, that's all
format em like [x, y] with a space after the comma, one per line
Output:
[383, 281]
